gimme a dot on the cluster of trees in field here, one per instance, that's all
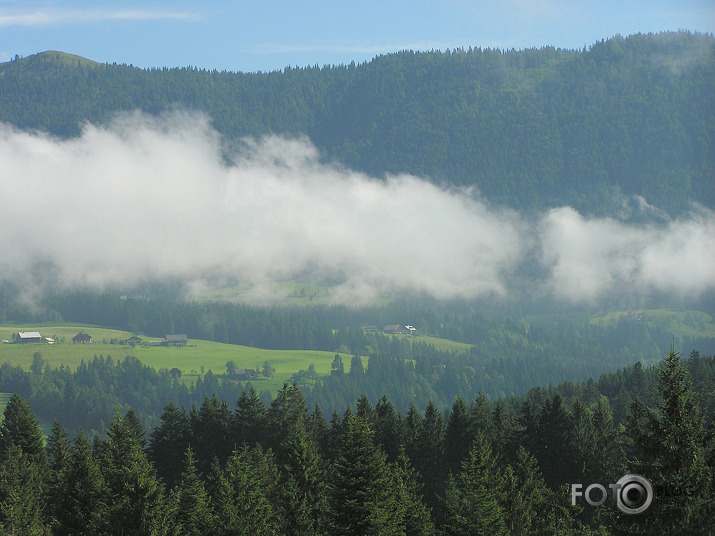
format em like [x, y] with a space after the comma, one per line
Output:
[530, 128]
[480, 468]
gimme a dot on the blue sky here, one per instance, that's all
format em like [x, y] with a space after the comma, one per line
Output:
[271, 34]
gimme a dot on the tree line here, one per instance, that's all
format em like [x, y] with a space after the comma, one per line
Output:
[479, 468]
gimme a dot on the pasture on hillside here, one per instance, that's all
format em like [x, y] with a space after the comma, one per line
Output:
[193, 360]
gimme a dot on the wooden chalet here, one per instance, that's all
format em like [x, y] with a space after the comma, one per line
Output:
[82, 338]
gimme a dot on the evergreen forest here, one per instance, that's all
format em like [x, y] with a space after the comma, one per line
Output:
[481, 467]
[530, 129]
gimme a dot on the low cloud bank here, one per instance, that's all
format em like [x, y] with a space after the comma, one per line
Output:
[151, 198]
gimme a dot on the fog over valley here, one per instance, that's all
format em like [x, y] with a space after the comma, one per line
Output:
[148, 198]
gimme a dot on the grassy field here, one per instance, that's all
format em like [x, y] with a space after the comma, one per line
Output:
[211, 356]
[194, 360]
[444, 345]
[680, 323]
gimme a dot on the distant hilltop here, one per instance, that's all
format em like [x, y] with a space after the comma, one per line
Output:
[51, 58]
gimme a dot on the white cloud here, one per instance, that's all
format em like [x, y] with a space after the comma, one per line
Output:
[151, 198]
[593, 257]
[52, 17]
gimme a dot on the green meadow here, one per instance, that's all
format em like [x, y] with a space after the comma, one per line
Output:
[443, 345]
[695, 324]
[194, 360]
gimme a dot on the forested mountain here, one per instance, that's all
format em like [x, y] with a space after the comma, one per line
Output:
[531, 129]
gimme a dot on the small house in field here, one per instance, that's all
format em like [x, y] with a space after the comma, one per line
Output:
[24, 337]
[176, 340]
[82, 338]
[246, 374]
[393, 329]
[132, 341]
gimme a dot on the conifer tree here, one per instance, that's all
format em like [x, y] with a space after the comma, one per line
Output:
[526, 498]
[191, 508]
[364, 410]
[471, 504]
[304, 491]
[241, 496]
[413, 431]
[670, 446]
[318, 428]
[169, 442]
[135, 496]
[81, 500]
[480, 414]
[389, 429]
[211, 432]
[285, 414]
[21, 493]
[58, 454]
[134, 423]
[430, 454]
[362, 500]
[606, 457]
[58, 448]
[503, 431]
[20, 427]
[249, 419]
[415, 516]
[334, 439]
[556, 450]
[458, 436]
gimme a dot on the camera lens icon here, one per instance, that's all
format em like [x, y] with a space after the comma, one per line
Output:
[633, 494]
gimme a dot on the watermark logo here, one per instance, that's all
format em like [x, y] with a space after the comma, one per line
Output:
[632, 494]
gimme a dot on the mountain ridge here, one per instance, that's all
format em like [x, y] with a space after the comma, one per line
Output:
[531, 129]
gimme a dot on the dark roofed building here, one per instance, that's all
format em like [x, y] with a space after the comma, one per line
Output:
[393, 329]
[82, 338]
[132, 341]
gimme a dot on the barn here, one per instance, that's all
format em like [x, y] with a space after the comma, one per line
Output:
[24, 337]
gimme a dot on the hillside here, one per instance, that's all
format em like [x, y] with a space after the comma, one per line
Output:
[530, 129]
[45, 61]
[193, 361]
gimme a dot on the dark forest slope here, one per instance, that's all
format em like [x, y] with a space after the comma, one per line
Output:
[531, 129]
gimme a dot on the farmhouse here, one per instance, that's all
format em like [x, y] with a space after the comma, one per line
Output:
[28, 336]
[394, 329]
[82, 338]
[132, 341]
[176, 340]
[246, 374]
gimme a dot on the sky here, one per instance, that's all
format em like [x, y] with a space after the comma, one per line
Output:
[270, 35]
